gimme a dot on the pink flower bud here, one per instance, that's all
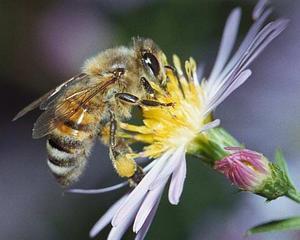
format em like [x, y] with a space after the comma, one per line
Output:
[245, 168]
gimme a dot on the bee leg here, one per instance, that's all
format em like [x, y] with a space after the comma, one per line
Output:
[131, 99]
[121, 156]
[147, 86]
[137, 177]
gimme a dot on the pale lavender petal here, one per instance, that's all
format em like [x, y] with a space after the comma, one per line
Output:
[271, 31]
[254, 43]
[224, 93]
[137, 195]
[117, 232]
[230, 84]
[158, 182]
[172, 163]
[263, 38]
[143, 231]
[100, 190]
[211, 125]
[227, 42]
[233, 149]
[177, 183]
[148, 204]
[200, 71]
[237, 82]
[245, 44]
[107, 217]
[149, 166]
[259, 9]
[199, 74]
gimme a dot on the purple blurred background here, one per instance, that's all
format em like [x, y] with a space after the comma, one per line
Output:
[45, 42]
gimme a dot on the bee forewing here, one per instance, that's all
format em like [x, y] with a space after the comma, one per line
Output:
[31, 106]
[48, 98]
[58, 91]
[44, 124]
[67, 106]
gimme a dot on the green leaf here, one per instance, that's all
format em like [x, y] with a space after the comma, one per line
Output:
[280, 160]
[292, 223]
[281, 163]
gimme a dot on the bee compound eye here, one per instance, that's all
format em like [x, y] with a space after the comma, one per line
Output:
[151, 61]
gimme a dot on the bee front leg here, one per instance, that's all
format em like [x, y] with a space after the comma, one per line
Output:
[131, 99]
[147, 87]
[121, 156]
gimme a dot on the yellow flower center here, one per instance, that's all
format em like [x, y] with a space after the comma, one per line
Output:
[169, 127]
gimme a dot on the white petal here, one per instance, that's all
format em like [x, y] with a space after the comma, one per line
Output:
[233, 75]
[177, 183]
[143, 231]
[100, 190]
[136, 197]
[198, 75]
[267, 34]
[236, 76]
[117, 232]
[107, 217]
[211, 125]
[149, 166]
[111, 188]
[245, 44]
[227, 42]
[172, 163]
[259, 9]
[148, 204]
[224, 93]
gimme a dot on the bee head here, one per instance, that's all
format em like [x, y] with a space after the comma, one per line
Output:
[152, 59]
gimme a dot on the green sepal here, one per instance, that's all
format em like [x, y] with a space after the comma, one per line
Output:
[276, 185]
[286, 224]
[210, 145]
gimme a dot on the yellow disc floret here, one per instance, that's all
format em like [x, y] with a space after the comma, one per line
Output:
[168, 127]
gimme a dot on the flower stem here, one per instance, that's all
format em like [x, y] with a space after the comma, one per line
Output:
[209, 147]
[294, 195]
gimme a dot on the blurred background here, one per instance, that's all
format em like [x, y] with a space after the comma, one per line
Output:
[45, 42]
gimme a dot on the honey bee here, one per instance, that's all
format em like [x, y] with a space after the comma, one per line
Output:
[92, 104]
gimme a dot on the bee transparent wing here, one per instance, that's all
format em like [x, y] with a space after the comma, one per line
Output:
[62, 109]
[44, 101]
[44, 124]
[55, 112]
[58, 91]
[31, 106]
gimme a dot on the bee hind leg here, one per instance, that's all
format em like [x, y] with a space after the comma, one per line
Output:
[122, 157]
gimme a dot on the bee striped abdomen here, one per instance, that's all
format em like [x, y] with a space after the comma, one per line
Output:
[69, 146]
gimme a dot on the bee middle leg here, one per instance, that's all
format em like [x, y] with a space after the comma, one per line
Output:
[131, 99]
[121, 156]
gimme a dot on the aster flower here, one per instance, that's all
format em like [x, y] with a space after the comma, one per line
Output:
[188, 125]
[168, 129]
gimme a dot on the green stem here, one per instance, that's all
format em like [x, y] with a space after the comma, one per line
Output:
[294, 195]
[210, 147]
